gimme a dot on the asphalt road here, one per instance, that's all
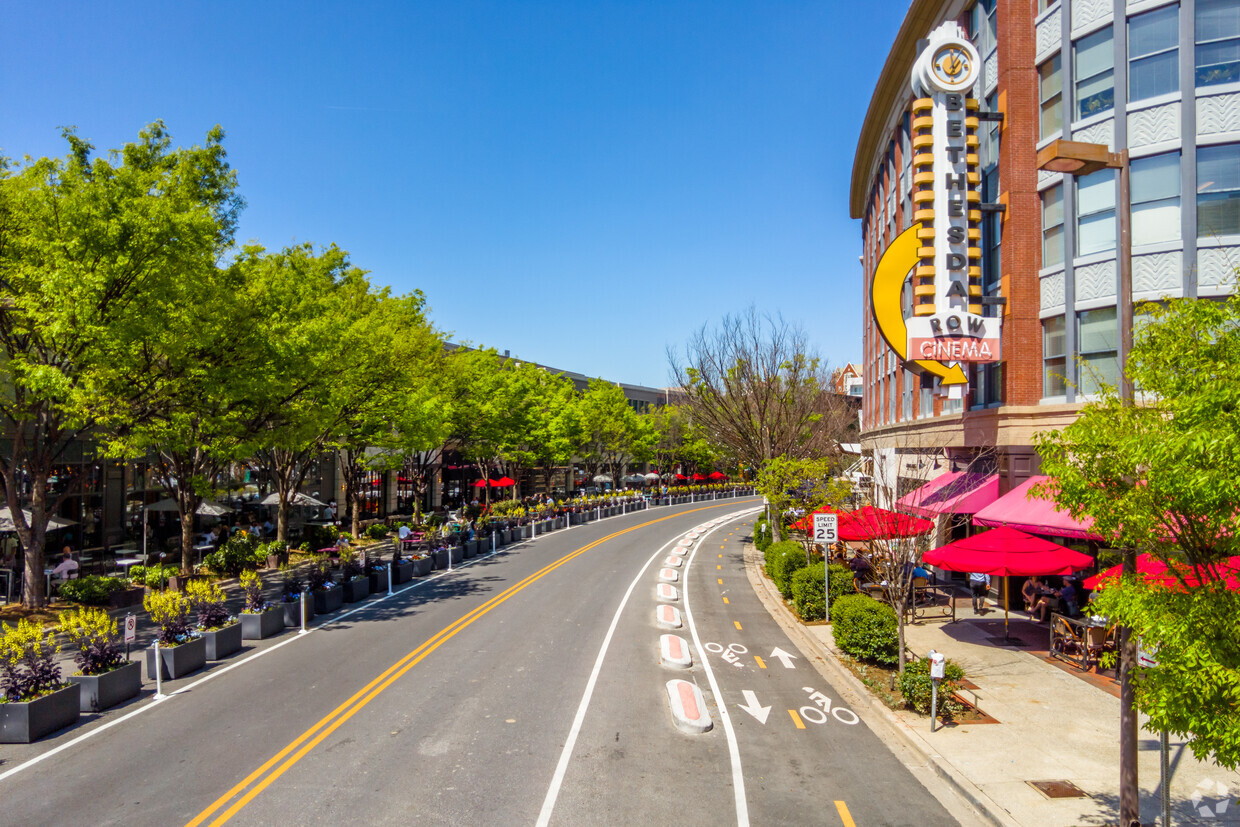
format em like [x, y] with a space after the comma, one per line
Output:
[524, 688]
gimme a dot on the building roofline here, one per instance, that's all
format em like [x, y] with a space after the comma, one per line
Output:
[891, 81]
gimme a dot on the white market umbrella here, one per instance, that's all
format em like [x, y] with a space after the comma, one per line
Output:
[206, 508]
[53, 523]
[602, 478]
[633, 478]
[299, 498]
[651, 476]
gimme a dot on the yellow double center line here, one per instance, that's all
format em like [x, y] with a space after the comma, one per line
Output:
[313, 736]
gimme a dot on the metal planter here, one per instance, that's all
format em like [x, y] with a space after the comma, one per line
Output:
[292, 613]
[28, 721]
[260, 625]
[357, 589]
[328, 600]
[403, 572]
[223, 642]
[100, 692]
[177, 661]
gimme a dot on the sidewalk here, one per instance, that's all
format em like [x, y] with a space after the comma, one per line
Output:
[1052, 725]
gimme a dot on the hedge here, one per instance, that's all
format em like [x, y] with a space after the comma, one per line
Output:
[761, 534]
[90, 590]
[865, 628]
[915, 687]
[783, 559]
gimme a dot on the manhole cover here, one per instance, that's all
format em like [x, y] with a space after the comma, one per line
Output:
[1058, 789]
[1000, 640]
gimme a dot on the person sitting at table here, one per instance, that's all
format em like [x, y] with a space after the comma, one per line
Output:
[405, 535]
[269, 528]
[1037, 598]
[1067, 595]
[67, 566]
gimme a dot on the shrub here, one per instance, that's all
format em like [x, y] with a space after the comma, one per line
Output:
[252, 585]
[273, 548]
[807, 586]
[91, 590]
[320, 536]
[207, 600]
[349, 567]
[842, 582]
[866, 629]
[170, 612]
[320, 575]
[762, 534]
[377, 531]
[915, 687]
[783, 559]
[153, 577]
[241, 552]
[27, 666]
[291, 587]
[94, 634]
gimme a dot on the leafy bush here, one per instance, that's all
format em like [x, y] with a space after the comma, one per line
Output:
[807, 592]
[320, 575]
[377, 531]
[783, 559]
[762, 534]
[153, 577]
[241, 552]
[349, 566]
[866, 629]
[91, 590]
[170, 612]
[28, 669]
[320, 536]
[503, 508]
[207, 600]
[94, 633]
[915, 686]
[252, 585]
[291, 587]
[842, 582]
[274, 548]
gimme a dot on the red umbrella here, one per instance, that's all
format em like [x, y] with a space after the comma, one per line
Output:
[480, 484]
[806, 523]
[682, 478]
[870, 523]
[1156, 570]
[1007, 552]
[503, 482]
[699, 477]
[717, 475]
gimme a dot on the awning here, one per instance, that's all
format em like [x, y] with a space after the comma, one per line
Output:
[1036, 516]
[956, 492]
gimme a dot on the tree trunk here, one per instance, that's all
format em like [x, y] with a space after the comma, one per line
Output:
[282, 518]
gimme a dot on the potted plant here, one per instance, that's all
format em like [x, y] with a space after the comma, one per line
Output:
[327, 595]
[422, 563]
[440, 557]
[291, 597]
[259, 619]
[105, 676]
[181, 650]
[219, 629]
[353, 577]
[275, 552]
[37, 701]
[377, 574]
[402, 568]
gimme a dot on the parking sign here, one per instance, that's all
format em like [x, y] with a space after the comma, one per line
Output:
[826, 528]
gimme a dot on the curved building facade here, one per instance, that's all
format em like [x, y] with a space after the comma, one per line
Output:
[1159, 79]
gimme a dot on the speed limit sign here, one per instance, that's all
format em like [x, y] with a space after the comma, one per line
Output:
[131, 628]
[826, 528]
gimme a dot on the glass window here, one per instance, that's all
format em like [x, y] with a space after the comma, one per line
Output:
[992, 232]
[1050, 93]
[1218, 190]
[1153, 53]
[1054, 345]
[1097, 338]
[1052, 226]
[1218, 41]
[1095, 82]
[1156, 198]
[1095, 212]
[982, 27]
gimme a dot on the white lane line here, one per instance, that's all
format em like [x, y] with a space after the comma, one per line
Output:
[738, 778]
[152, 702]
[557, 779]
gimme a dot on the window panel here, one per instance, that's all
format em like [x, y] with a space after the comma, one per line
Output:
[1217, 27]
[1218, 190]
[1095, 83]
[1052, 226]
[1095, 209]
[1156, 198]
[1097, 339]
[1153, 53]
[1050, 93]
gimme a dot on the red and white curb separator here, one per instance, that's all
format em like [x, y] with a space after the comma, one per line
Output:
[666, 591]
[673, 561]
[688, 706]
[668, 575]
[675, 652]
[680, 552]
[668, 616]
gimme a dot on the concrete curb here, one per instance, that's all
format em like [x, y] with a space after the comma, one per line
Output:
[688, 707]
[666, 591]
[667, 616]
[877, 716]
[674, 652]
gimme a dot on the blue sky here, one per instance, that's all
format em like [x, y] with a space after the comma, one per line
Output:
[580, 183]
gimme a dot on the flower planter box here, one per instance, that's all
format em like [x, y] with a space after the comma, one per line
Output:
[100, 692]
[292, 613]
[470, 549]
[379, 581]
[27, 721]
[328, 600]
[179, 582]
[458, 554]
[177, 661]
[559, 522]
[403, 572]
[357, 589]
[422, 565]
[577, 518]
[440, 558]
[259, 625]
[223, 642]
[506, 534]
[124, 598]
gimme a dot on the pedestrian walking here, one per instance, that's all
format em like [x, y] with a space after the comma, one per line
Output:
[979, 584]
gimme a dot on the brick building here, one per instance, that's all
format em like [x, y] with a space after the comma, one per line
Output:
[1161, 79]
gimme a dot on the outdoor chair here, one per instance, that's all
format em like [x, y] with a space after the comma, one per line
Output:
[1099, 640]
[1068, 642]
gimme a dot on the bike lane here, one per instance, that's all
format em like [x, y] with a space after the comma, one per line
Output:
[804, 755]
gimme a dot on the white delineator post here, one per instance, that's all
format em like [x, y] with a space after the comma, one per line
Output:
[159, 674]
[304, 594]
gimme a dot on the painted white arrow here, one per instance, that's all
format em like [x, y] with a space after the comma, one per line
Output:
[784, 658]
[753, 708]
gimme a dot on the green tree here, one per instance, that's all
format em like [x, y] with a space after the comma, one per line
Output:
[614, 434]
[805, 485]
[1160, 476]
[90, 247]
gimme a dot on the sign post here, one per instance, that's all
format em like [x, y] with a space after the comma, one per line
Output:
[827, 532]
[131, 632]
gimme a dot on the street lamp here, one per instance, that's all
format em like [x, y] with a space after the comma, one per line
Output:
[1076, 158]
